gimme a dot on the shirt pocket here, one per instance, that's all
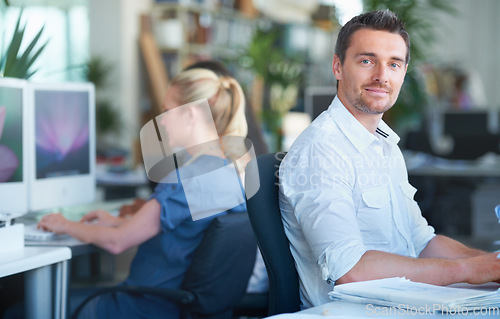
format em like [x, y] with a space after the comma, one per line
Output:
[376, 197]
[375, 217]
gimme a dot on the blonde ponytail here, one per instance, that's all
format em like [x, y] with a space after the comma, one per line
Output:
[226, 100]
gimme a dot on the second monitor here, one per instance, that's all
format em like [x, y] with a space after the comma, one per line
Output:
[62, 168]
[317, 99]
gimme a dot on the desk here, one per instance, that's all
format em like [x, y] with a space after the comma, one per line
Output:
[342, 309]
[119, 185]
[74, 213]
[85, 256]
[456, 170]
[454, 195]
[420, 164]
[77, 247]
[36, 262]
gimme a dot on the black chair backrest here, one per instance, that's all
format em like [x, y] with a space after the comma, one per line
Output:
[265, 217]
[222, 265]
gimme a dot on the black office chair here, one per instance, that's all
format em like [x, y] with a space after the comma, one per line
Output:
[218, 276]
[265, 217]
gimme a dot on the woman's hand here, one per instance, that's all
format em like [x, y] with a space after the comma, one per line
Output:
[102, 218]
[56, 223]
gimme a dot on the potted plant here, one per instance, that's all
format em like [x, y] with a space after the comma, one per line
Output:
[17, 63]
[108, 119]
[281, 76]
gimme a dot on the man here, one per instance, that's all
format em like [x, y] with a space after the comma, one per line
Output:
[346, 203]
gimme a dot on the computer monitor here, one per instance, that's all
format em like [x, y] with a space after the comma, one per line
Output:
[13, 147]
[62, 168]
[472, 133]
[317, 99]
[466, 123]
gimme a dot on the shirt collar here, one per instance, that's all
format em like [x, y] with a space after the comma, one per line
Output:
[359, 136]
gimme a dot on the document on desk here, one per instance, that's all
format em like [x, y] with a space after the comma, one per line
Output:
[401, 292]
[299, 315]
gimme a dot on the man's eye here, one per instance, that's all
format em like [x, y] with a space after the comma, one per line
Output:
[395, 65]
[365, 61]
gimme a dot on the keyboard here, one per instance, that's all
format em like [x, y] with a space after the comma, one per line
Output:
[32, 233]
[74, 213]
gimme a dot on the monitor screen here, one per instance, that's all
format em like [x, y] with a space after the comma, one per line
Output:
[473, 134]
[466, 123]
[317, 99]
[63, 145]
[13, 147]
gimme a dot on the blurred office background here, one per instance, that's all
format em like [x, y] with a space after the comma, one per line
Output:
[281, 52]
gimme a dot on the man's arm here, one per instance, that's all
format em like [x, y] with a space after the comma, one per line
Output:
[445, 247]
[457, 263]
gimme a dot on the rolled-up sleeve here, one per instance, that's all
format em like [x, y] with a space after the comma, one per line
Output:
[318, 184]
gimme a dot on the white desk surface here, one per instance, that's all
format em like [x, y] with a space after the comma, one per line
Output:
[29, 258]
[342, 309]
[420, 164]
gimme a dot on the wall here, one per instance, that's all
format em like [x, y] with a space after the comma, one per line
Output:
[114, 34]
[470, 40]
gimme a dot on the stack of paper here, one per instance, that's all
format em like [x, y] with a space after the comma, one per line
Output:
[401, 292]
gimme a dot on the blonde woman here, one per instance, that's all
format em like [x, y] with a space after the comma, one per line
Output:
[164, 226]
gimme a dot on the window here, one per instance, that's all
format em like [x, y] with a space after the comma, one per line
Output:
[66, 28]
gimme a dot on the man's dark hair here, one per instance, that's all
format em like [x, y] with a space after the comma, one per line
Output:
[384, 20]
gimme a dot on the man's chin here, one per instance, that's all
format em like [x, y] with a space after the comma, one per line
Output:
[378, 107]
[373, 109]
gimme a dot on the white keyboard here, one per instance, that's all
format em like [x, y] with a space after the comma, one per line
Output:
[34, 234]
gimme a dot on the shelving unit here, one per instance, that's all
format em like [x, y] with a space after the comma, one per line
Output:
[186, 33]
[189, 32]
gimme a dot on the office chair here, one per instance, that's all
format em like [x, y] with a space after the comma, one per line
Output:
[218, 275]
[265, 217]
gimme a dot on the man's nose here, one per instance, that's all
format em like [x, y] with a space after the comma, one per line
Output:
[380, 74]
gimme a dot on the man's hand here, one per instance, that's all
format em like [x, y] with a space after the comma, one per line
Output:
[102, 218]
[482, 269]
[56, 223]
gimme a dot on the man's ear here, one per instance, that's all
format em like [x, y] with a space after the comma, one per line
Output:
[337, 67]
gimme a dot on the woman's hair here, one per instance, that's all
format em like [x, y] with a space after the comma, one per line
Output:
[224, 95]
[213, 65]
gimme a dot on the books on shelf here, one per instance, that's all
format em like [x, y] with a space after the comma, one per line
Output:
[403, 293]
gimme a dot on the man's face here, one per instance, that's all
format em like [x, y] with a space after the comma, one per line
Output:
[373, 71]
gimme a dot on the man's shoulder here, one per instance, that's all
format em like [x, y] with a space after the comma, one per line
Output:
[323, 125]
[322, 135]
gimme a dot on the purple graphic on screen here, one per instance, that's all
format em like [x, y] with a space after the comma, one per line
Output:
[8, 159]
[62, 130]
[62, 133]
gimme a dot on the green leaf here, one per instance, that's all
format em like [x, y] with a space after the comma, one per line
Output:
[14, 46]
[27, 59]
[16, 63]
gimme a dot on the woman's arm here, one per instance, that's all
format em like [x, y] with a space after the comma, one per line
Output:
[131, 232]
[102, 218]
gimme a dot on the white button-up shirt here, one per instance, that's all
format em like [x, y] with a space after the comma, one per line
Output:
[344, 191]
